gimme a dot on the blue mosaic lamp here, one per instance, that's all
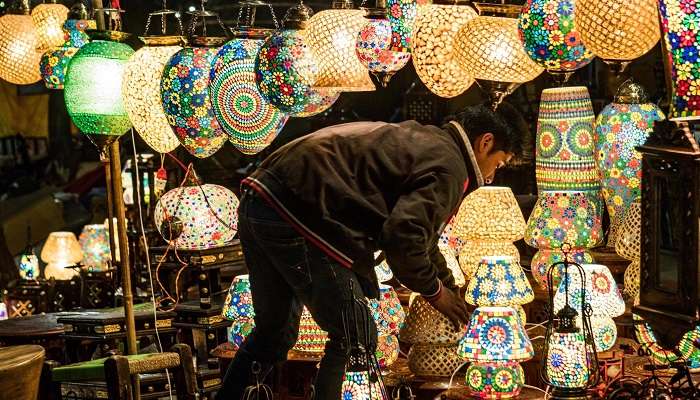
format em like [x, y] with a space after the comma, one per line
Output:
[499, 281]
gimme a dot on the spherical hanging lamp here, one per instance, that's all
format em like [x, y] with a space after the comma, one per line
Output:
[285, 68]
[550, 37]
[319, 100]
[19, 40]
[54, 62]
[488, 48]
[48, 19]
[375, 49]
[618, 31]
[331, 35]
[141, 86]
[402, 15]
[184, 91]
[433, 37]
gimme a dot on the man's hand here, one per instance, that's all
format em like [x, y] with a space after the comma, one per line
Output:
[451, 306]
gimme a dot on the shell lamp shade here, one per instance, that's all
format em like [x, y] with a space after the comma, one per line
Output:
[19, 54]
[48, 19]
[61, 251]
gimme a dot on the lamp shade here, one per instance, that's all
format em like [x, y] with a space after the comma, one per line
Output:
[61, 250]
[604, 333]
[679, 30]
[358, 386]
[545, 258]
[495, 380]
[452, 264]
[204, 216]
[488, 48]
[402, 15]
[239, 330]
[387, 312]
[54, 62]
[628, 246]
[435, 28]
[425, 324]
[619, 129]
[93, 88]
[450, 238]
[565, 147]
[474, 250]
[495, 334]
[331, 35]
[19, 57]
[617, 30]
[239, 301]
[48, 19]
[285, 71]
[311, 339]
[548, 32]
[29, 266]
[567, 364]
[499, 281]
[184, 90]
[387, 350]
[599, 290]
[141, 96]
[94, 243]
[561, 217]
[490, 213]
[243, 113]
[376, 51]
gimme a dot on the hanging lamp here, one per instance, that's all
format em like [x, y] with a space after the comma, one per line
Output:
[331, 35]
[48, 19]
[184, 88]
[141, 85]
[488, 48]
[19, 40]
[54, 62]
[250, 121]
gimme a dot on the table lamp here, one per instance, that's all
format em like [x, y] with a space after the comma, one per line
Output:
[357, 385]
[628, 246]
[29, 266]
[495, 342]
[238, 307]
[311, 339]
[61, 251]
[94, 242]
[389, 316]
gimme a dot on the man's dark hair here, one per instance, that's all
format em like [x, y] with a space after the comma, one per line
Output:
[508, 126]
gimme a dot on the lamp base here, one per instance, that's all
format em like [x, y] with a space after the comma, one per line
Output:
[569, 394]
[495, 380]
[59, 272]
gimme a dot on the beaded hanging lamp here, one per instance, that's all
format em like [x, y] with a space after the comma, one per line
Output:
[184, 88]
[48, 18]
[93, 83]
[141, 85]
[246, 116]
[488, 48]
[19, 43]
[331, 35]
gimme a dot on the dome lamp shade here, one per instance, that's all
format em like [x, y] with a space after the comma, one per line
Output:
[499, 281]
[49, 18]
[60, 252]
[19, 47]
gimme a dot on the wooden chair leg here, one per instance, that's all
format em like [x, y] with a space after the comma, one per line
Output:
[48, 389]
[118, 378]
[185, 380]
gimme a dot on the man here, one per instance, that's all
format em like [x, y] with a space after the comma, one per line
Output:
[316, 210]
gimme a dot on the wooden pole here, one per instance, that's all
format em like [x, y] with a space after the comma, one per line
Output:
[110, 209]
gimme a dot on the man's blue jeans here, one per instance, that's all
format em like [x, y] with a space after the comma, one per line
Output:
[287, 272]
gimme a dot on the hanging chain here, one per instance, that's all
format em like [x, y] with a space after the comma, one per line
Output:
[274, 16]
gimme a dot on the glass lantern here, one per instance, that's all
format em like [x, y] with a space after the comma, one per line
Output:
[19, 47]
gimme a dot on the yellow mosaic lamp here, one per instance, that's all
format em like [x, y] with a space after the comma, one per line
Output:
[490, 213]
[60, 252]
[48, 19]
[19, 43]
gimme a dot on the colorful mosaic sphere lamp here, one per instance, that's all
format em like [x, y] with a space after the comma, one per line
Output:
[61, 251]
[19, 46]
[357, 385]
[49, 18]
[238, 307]
[142, 82]
[618, 31]
[547, 29]
[570, 363]
[495, 343]
[628, 246]
[620, 127]
[489, 50]
[94, 243]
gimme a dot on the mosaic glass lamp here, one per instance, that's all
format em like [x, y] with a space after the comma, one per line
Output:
[319, 100]
[48, 19]
[92, 90]
[548, 31]
[54, 62]
[60, 252]
[679, 31]
[382, 270]
[488, 49]
[375, 49]
[453, 265]
[618, 31]
[19, 44]
[358, 386]
[331, 35]
[387, 351]
[490, 213]
[565, 147]
[685, 350]
[499, 281]
[402, 16]
[29, 266]
[239, 330]
[628, 246]
[474, 250]
[620, 127]
[197, 217]
[311, 339]
[495, 380]
[387, 312]
[449, 237]
[434, 32]
[239, 301]
[94, 243]
[545, 257]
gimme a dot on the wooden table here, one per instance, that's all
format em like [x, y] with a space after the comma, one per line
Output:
[20, 369]
[41, 330]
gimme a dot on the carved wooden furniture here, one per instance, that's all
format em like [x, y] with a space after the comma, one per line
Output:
[20, 370]
[42, 330]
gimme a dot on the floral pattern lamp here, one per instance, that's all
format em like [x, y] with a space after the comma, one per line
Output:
[376, 47]
[238, 307]
[54, 61]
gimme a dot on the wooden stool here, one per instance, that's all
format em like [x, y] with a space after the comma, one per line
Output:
[117, 371]
[20, 370]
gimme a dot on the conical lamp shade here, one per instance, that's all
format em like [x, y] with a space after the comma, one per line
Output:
[311, 339]
[49, 19]
[599, 290]
[331, 35]
[495, 334]
[499, 281]
[19, 57]
[239, 301]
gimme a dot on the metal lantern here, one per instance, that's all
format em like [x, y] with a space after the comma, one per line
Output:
[488, 49]
[48, 19]
[547, 29]
[433, 39]
[141, 86]
[570, 362]
[54, 62]
[331, 35]
[19, 43]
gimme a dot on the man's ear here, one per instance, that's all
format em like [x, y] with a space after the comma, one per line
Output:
[484, 143]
